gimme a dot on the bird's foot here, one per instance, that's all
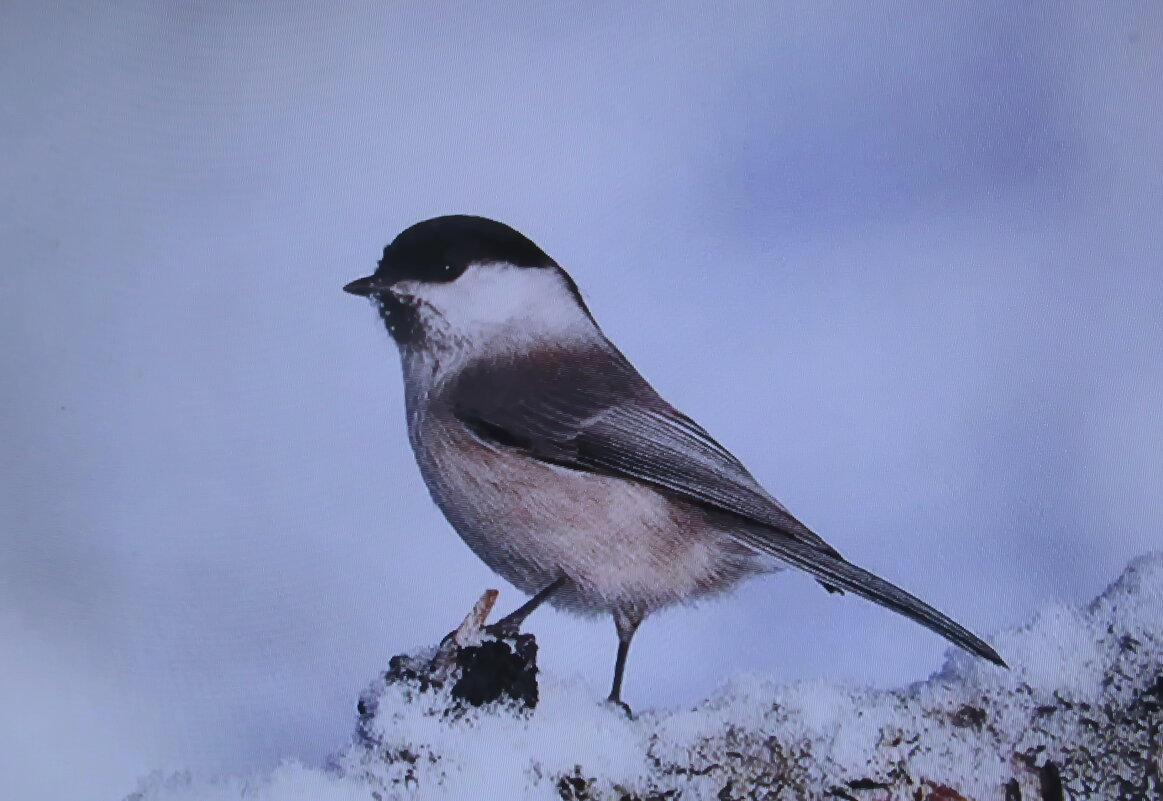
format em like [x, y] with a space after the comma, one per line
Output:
[505, 628]
[621, 705]
[503, 631]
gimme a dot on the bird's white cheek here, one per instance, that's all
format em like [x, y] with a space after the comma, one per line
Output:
[490, 299]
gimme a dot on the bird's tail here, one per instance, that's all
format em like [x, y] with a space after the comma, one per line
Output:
[831, 569]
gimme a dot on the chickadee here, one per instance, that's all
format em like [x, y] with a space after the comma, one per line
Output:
[558, 464]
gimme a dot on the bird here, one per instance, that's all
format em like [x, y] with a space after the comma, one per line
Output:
[558, 464]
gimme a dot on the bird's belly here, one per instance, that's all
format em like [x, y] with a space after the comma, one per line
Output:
[618, 543]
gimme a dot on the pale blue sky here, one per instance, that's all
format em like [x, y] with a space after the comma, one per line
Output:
[903, 260]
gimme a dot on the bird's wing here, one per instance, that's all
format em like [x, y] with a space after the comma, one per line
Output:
[590, 410]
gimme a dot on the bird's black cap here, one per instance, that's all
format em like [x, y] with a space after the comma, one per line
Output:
[440, 249]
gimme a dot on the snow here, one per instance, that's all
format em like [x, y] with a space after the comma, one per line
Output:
[1083, 701]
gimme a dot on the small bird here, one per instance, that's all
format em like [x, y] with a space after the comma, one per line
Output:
[557, 462]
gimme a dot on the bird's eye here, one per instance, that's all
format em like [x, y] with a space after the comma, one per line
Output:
[448, 268]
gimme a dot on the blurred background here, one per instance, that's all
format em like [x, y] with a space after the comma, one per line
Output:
[902, 258]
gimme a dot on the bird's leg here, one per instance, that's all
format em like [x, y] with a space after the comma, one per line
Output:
[619, 670]
[626, 624]
[510, 624]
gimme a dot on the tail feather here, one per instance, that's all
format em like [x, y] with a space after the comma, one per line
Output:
[831, 569]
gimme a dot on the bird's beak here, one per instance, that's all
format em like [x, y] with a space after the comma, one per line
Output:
[369, 285]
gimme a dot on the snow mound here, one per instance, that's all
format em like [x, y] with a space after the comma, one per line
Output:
[1079, 715]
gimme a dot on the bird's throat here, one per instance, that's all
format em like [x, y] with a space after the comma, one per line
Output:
[401, 317]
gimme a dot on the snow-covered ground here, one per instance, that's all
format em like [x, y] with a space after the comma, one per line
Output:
[1081, 710]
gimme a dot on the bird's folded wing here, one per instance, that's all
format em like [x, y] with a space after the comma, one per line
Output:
[610, 421]
[663, 447]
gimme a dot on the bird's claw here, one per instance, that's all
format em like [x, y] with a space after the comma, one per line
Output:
[503, 629]
[622, 705]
